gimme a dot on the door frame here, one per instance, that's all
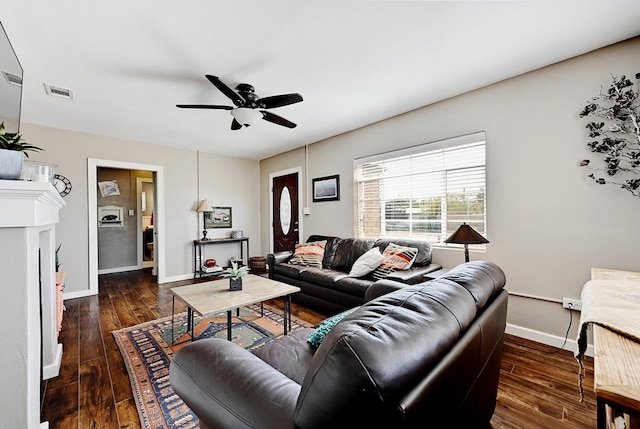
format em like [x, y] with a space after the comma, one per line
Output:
[300, 188]
[158, 218]
[141, 262]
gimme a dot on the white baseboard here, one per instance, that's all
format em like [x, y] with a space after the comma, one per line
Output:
[119, 269]
[176, 278]
[544, 338]
[77, 294]
[53, 369]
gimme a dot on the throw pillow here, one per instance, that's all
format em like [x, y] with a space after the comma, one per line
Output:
[309, 254]
[395, 258]
[366, 263]
[321, 331]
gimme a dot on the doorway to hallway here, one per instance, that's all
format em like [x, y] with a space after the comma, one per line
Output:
[123, 211]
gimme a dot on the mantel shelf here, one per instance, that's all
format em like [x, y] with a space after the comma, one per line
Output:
[26, 204]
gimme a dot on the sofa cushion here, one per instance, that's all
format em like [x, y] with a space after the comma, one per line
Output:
[396, 257]
[348, 252]
[289, 270]
[309, 254]
[366, 263]
[290, 355]
[424, 255]
[356, 286]
[322, 276]
[317, 336]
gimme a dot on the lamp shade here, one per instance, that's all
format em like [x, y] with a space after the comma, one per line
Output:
[204, 206]
[466, 235]
[246, 116]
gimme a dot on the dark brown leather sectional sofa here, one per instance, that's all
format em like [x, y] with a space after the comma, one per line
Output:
[329, 289]
[413, 356]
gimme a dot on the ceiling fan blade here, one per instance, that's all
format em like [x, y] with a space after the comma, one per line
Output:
[204, 106]
[279, 100]
[235, 125]
[268, 116]
[237, 99]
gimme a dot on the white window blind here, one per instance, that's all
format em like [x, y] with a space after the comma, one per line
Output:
[424, 192]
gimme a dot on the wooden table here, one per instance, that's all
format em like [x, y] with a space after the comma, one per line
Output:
[616, 362]
[215, 297]
[198, 252]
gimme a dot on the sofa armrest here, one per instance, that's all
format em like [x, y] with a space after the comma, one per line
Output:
[413, 275]
[277, 258]
[227, 386]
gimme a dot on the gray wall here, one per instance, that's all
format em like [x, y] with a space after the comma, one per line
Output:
[547, 222]
[71, 149]
[117, 246]
[229, 185]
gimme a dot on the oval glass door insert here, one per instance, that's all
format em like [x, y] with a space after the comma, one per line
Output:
[285, 210]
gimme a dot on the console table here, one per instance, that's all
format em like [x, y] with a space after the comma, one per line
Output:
[198, 251]
[616, 367]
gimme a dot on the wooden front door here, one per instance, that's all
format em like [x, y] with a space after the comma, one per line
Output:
[285, 212]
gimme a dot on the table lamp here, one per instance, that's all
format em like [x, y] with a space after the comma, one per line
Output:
[203, 208]
[466, 235]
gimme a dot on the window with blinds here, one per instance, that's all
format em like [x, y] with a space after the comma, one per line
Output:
[423, 192]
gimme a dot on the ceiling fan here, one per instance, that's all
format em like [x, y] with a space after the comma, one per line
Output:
[248, 105]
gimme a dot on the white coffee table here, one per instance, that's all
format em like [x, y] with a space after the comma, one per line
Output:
[215, 297]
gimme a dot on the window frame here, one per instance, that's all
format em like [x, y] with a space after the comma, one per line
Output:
[437, 149]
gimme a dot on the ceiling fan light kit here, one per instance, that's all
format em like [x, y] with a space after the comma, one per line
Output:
[246, 116]
[247, 104]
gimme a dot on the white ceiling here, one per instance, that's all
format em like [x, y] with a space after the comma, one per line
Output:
[354, 62]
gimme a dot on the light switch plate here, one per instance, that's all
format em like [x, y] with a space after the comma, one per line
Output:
[131, 212]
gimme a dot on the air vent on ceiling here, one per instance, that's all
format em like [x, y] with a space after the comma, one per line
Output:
[13, 79]
[58, 91]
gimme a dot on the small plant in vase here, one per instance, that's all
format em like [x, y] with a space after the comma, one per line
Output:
[13, 141]
[13, 150]
[235, 274]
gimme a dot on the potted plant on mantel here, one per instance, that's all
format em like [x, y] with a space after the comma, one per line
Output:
[234, 274]
[12, 153]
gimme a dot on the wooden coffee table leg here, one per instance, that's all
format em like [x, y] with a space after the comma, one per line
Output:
[229, 325]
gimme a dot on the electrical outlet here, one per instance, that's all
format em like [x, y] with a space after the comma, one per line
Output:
[573, 304]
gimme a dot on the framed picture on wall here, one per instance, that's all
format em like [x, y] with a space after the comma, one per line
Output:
[220, 217]
[326, 188]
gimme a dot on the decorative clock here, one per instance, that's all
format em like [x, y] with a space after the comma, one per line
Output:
[62, 184]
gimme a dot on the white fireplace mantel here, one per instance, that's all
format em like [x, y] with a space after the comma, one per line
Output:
[28, 214]
[26, 204]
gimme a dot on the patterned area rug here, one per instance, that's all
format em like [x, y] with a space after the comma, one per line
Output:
[147, 352]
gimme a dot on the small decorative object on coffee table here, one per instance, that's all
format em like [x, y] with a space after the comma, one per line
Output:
[235, 273]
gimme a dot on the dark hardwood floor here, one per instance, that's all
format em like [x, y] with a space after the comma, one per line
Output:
[538, 384]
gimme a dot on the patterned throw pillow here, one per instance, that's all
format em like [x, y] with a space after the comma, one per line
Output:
[395, 258]
[309, 254]
[317, 336]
